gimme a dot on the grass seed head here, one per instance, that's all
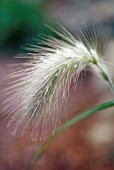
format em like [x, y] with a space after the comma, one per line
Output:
[40, 88]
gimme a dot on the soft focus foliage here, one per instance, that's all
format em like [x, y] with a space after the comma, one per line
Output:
[19, 21]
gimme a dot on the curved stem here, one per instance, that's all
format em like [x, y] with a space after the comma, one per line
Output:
[105, 75]
[64, 127]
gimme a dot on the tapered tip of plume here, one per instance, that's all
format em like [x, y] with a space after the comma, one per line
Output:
[40, 87]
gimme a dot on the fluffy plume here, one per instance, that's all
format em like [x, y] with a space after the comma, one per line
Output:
[40, 88]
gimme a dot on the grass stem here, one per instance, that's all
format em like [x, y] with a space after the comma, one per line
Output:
[43, 148]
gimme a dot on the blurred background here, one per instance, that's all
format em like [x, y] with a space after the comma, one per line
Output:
[89, 145]
[23, 20]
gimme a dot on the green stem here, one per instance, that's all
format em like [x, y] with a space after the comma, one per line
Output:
[64, 127]
[105, 75]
